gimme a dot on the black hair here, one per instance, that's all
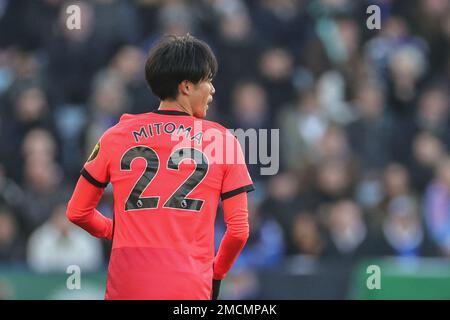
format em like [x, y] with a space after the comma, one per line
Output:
[175, 59]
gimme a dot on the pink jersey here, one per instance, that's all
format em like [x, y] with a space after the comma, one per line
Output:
[168, 172]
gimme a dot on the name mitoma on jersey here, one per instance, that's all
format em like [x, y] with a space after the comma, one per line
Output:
[156, 129]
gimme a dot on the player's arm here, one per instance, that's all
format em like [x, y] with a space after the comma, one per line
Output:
[236, 235]
[88, 192]
[235, 185]
[81, 209]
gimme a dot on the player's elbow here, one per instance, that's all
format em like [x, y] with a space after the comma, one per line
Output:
[73, 215]
[243, 236]
[240, 233]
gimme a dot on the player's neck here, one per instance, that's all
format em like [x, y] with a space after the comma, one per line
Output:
[174, 105]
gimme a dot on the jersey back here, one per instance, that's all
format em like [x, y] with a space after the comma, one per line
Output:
[168, 172]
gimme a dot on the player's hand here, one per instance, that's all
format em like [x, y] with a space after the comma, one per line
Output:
[216, 289]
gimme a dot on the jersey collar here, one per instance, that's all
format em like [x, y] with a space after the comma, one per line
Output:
[171, 112]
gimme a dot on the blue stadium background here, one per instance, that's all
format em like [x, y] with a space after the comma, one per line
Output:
[363, 118]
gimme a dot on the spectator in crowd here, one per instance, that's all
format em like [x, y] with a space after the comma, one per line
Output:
[30, 110]
[63, 47]
[283, 22]
[281, 204]
[250, 106]
[396, 184]
[250, 111]
[39, 144]
[394, 35]
[307, 235]
[43, 179]
[332, 97]
[12, 246]
[396, 181]
[428, 150]
[347, 230]
[237, 40]
[437, 206]
[108, 102]
[403, 230]
[334, 181]
[432, 116]
[276, 67]
[57, 244]
[433, 113]
[334, 145]
[407, 66]
[25, 71]
[370, 135]
[11, 194]
[128, 64]
[303, 126]
[430, 21]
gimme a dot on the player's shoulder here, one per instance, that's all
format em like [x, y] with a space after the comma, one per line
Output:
[129, 117]
[124, 121]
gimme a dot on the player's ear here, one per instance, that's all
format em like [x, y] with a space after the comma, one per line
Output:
[185, 87]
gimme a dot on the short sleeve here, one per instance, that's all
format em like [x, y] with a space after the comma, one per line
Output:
[236, 178]
[96, 169]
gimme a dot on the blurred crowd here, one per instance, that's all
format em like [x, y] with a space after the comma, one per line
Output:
[363, 118]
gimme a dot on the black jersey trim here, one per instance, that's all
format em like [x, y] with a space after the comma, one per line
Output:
[92, 180]
[232, 193]
[171, 112]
